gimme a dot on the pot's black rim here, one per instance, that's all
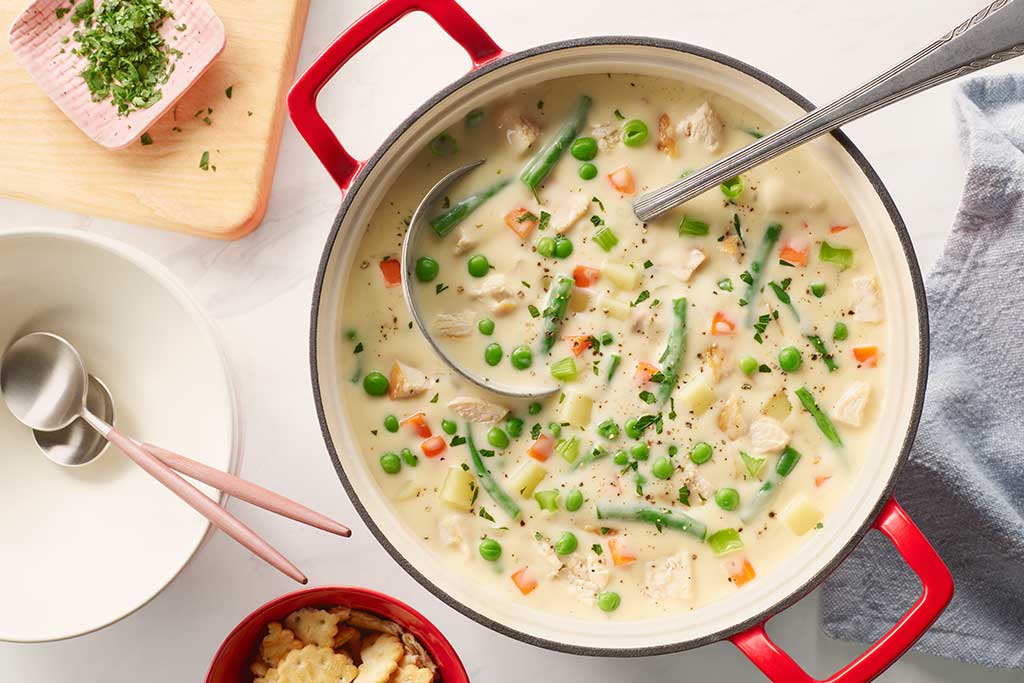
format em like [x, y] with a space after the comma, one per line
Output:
[923, 349]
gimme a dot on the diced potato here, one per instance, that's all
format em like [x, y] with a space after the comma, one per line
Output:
[526, 478]
[696, 396]
[458, 489]
[800, 515]
[777, 407]
[581, 299]
[621, 275]
[576, 408]
[612, 307]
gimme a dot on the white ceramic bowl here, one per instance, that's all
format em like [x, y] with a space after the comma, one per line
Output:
[86, 546]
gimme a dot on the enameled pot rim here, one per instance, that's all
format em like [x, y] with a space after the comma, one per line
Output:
[919, 297]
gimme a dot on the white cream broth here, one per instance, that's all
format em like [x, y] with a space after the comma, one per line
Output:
[660, 568]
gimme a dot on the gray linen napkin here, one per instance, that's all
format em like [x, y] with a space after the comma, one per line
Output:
[964, 483]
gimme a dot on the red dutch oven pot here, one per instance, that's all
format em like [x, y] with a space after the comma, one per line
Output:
[867, 506]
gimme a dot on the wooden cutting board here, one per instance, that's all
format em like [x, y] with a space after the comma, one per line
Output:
[45, 158]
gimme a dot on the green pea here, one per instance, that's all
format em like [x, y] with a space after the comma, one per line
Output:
[631, 429]
[608, 601]
[662, 468]
[497, 437]
[478, 265]
[493, 354]
[727, 499]
[514, 426]
[748, 365]
[546, 246]
[486, 326]
[375, 384]
[574, 501]
[840, 332]
[449, 427]
[566, 543]
[634, 133]
[426, 269]
[391, 423]
[588, 171]
[522, 357]
[390, 463]
[563, 247]
[620, 458]
[640, 451]
[410, 458]
[790, 359]
[818, 289]
[555, 429]
[701, 453]
[534, 408]
[490, 549]
[673, 450]
[583, 149]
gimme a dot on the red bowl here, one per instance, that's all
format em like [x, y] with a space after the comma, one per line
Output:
[231, 663]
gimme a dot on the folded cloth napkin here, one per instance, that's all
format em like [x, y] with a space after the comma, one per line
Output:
[964, 482]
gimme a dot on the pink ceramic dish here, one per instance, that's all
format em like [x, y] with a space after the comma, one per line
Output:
[231, 663]
[35, 39]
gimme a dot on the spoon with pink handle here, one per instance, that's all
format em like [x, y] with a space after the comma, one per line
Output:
[46, 386]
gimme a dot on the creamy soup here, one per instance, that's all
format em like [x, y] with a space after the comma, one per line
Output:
[717, 367]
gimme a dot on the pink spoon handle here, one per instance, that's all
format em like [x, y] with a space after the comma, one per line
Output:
[217, 515]
[246, 490]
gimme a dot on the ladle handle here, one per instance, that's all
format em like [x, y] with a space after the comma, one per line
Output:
[994, 34]
[218, 516]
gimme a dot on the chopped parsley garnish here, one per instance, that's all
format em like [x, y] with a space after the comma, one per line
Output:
[725, 284]
[457, 440]
[434, 400]
[760, 326]
[61, 11]
[526, 216]
[618, 115]
[535, 430]
[534, 313]
[747, 277]
[229, 90]
[146, 139]
[739, 231]
[648, 263]
[598, 550]
[684, 495]
[597, 221]
[440, 287]
[486, 515]
[648, 398]
[545, 219]
[642, 297]
[358, 348]
[204, 161]
[598, 202]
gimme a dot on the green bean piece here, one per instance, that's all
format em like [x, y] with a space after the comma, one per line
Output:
[675, 348]
[447, 221]
[538, 168]
[661, 519]
[497, 494]
[725, 541]
[826, 356]
[758, 266]
[824, 424]
[554, 311]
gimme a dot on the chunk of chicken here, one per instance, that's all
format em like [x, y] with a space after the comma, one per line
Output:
[454, 325]
[778, 196]
[703, 125]
[697, 484]
[689, 265]
[451, 534]
[670, 578]
[730, 418]
[731, 246]
[406, 381]
[520, 131]
[586, 576]
[850, 407]
[607, 135]
[666, 136]
[767, 435]
[714, 363]
[565, 216]
[464, 242]
[477, 410]
[867, 305]
[496, 290]
[548, 556]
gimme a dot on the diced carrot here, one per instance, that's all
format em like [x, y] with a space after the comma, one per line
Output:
[541, 448]
[838, 228]
[585, 276]
[621, 554]
[419, 424]
[740, 571]
[821, 479]
[795, 254]
[521, 221]
[392, 271]
[721, 325]
[622, 180]
[867, 356]
[644, 372]
[579, 343]
[434, 446]
[524, 580]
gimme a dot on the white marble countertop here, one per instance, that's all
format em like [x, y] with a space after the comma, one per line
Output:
[258, 292]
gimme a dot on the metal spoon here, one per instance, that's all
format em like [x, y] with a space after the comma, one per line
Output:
[993, 35]
[45, 383]
[410, 248]
[79, 444]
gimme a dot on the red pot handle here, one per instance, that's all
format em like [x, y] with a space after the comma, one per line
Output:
[937, 584]
[302, 97]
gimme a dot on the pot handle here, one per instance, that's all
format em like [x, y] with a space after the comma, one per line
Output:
[937, 590]
[449, 15]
